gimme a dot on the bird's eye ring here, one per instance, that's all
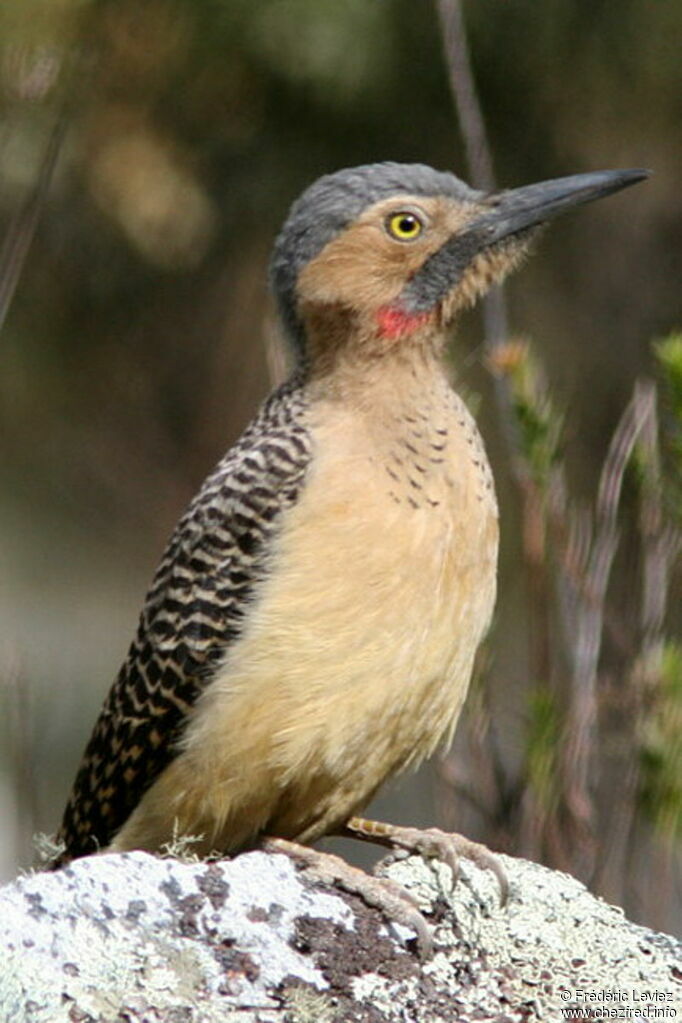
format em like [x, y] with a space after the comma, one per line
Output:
[404, 225]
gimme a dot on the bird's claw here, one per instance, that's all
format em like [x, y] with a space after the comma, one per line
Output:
[450, 848]
[431, 843]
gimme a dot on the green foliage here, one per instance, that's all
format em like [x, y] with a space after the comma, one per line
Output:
[661, 748]
[542, 745]
[669, 357]
[538, 420]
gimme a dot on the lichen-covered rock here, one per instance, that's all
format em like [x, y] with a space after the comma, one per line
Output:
[136, 939]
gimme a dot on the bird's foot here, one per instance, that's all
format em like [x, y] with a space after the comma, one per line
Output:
[432, 843]
[380, 892]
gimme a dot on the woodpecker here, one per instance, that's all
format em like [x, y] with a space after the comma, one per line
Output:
[312, 625]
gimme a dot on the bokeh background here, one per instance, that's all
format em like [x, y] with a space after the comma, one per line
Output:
[148, 153]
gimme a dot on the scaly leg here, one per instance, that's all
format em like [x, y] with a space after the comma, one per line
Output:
[431, 843]
[391, 898]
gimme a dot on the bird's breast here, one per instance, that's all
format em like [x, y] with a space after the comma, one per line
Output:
[357, 652]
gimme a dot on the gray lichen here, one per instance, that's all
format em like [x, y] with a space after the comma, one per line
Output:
[140, 939]
[135, 933]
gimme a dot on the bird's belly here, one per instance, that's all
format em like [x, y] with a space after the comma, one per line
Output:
[357, 653]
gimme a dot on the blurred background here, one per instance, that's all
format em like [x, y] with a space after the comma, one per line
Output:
[149, 150]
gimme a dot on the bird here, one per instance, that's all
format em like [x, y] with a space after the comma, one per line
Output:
[313, 622]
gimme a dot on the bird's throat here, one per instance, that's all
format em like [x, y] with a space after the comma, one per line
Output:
[394, 321]
[363, 349]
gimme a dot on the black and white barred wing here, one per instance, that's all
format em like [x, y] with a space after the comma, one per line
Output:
[194, 609]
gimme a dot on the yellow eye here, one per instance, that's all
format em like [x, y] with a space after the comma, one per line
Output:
[405, 226]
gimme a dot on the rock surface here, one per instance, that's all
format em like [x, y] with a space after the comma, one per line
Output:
[136, 939]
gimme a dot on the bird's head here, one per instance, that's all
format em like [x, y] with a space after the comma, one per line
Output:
[382, 254]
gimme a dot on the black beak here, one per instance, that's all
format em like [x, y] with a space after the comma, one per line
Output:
[503, 215]
[520, 208]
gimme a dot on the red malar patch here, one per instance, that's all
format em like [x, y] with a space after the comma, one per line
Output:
[393, 321]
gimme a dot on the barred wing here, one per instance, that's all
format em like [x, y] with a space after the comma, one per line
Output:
[192, 613]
